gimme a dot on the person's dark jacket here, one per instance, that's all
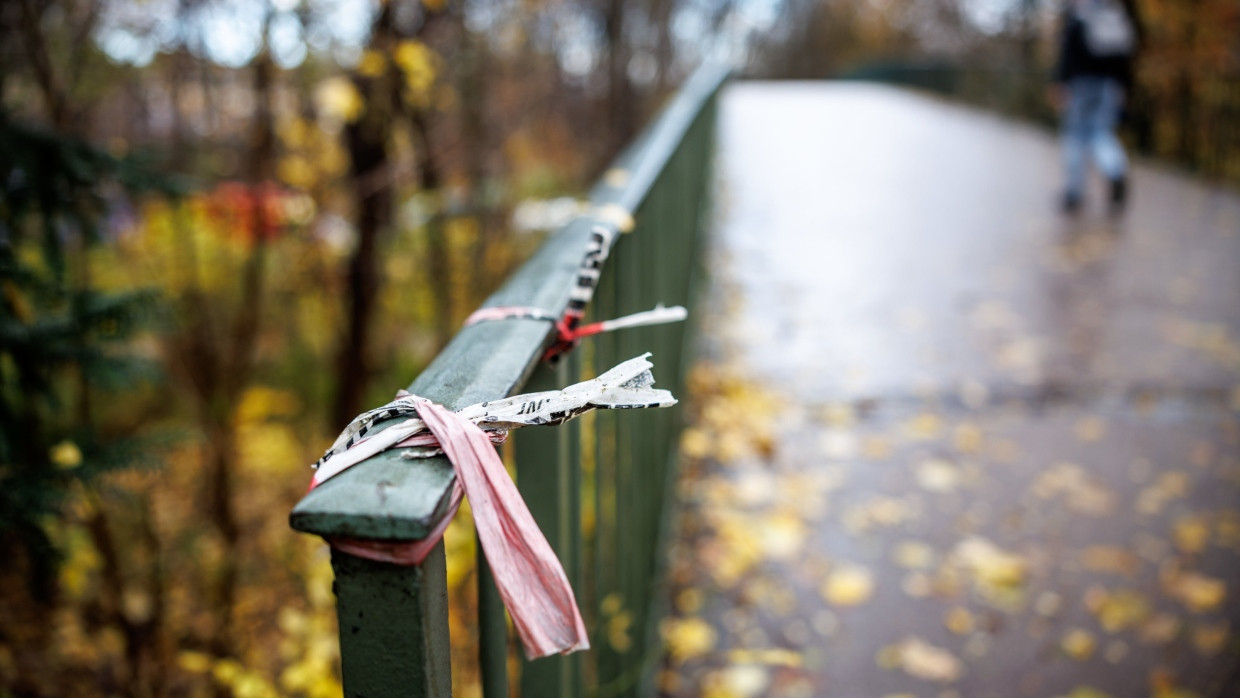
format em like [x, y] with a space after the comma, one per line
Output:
[1076, 60]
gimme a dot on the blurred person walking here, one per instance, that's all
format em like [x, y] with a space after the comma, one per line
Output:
[1098, 42]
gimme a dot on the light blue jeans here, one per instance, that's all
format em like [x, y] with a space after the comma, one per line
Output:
[1089, 123]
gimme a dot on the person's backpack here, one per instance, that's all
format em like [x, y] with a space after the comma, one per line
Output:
[1108, 28]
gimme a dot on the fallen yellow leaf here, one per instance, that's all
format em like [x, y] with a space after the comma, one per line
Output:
[1191, 534]
[775, 656]
[967, 437]
[1197, 591]
[922, 660]
[695, 443]
[958, 620]
[924, 426]
[687, 638]
[741, 681]
[990, 565]
[1109, 558]
[1090, 428]
[1210, 639]
[1121, 609]
[913, 555]
[937, 475]
[848, 586]
[1161, 629]
[1078, 644]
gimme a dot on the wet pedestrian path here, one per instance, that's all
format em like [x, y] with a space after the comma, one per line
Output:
[946, 442]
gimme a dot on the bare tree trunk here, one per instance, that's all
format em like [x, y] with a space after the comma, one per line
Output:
[153, 667]
[223, 518]
[239, 356]
[50, 85]
[1185, 94]
[473, 91]
[372, 198]
[661, 15]
[370, 165]
[141, 632]
[621, 110]
[438, 260]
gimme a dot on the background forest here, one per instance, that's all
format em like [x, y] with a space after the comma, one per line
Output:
[228, 226]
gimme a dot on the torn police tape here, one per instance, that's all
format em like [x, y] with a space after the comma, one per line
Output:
[527, 573]
[568, 333]
[568, 329]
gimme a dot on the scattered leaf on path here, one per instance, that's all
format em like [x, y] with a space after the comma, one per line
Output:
[1191, 534]
[1197, 591]
[740, 681]
[937, 475]
[914, 555]
[1078, 644]
[922, 660]
[687, 638]
[848, 586]
[1109, 558]
[1210, 639]
[958, 620]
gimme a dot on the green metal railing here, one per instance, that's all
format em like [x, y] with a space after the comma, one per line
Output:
[598, 486]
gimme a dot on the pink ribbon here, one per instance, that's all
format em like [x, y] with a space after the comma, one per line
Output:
[527, 573]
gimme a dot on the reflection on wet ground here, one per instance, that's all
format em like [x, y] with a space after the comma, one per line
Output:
[946, 442]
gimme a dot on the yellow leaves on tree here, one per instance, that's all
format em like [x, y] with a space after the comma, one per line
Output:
[372, 63]
[313, 156]
[65, 455]
[338, 101]
[417, 63]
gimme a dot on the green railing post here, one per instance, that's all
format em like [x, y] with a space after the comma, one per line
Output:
[549, 477]
[390, 618]
[492, 631]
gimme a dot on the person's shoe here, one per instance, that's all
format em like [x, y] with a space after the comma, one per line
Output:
[1071, 203]
[1119, 194]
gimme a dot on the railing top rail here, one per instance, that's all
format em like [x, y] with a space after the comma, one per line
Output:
[390, 498]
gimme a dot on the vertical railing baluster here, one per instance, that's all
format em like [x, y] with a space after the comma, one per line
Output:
[492, 631]
[570, 501]
[547, 461]
[605, 572]
[632, 277]
[393, 627]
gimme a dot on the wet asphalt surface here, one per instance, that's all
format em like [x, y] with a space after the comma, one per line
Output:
[946, 441]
